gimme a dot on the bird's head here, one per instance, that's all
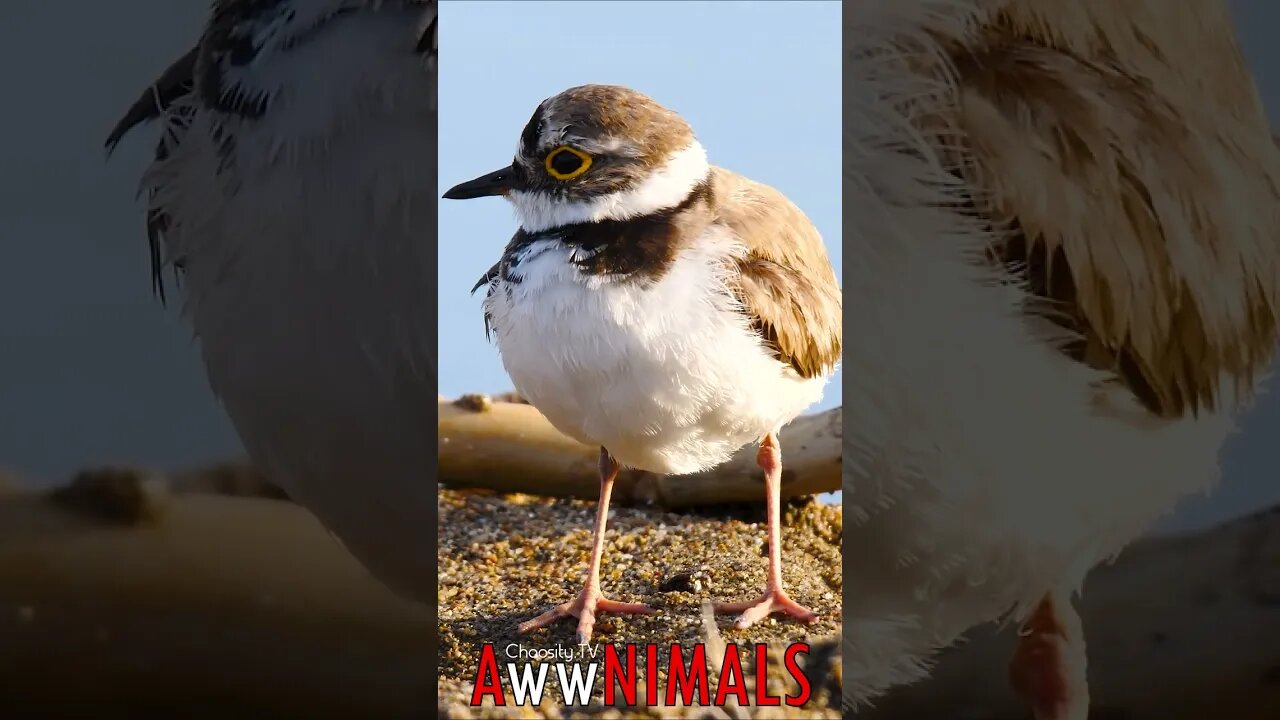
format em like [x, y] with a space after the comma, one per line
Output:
[592, 153]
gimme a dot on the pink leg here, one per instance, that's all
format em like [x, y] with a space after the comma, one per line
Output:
[1048, 665]
[590, 601]
[774, 599]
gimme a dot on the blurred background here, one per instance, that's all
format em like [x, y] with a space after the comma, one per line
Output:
[93, 370]
[122, 595]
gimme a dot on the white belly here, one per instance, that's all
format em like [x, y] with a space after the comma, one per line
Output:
[667, 377]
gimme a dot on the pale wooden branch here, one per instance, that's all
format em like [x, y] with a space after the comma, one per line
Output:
[1179, 628]
[510, 447]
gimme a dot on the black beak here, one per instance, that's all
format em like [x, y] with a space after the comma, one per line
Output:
[498, 182]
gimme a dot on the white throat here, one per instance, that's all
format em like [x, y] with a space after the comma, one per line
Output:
[666, 187]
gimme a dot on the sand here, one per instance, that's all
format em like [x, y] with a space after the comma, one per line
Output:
[506, 558]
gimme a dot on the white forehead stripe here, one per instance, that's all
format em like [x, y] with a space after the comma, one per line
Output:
[666, 187]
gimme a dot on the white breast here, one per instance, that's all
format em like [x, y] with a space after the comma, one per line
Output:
[667, 376]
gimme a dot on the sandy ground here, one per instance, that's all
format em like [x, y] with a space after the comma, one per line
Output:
[504, 559]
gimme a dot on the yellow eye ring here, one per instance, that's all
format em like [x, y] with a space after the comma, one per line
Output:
[566, 171]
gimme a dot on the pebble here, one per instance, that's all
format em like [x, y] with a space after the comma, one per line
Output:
[505, 560]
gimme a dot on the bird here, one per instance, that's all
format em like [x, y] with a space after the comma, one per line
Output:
[665, 309]
[1063, 247]
[292, 193]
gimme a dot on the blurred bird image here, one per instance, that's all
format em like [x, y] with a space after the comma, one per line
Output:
[294, 191]
[1064, 269]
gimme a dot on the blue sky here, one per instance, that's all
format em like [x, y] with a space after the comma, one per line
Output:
[758, 81]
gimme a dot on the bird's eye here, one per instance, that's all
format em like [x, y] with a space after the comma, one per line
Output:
[567, 163]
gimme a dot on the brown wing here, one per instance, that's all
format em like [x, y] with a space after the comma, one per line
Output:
[1139, 183]
[785, 281]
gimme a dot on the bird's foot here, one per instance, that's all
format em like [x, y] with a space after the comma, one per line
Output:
[1049, 666]
[774, 600]
[584, 607]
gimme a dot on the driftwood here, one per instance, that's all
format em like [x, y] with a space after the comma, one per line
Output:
[510, 447]
[501, 443]
[1179, 628]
